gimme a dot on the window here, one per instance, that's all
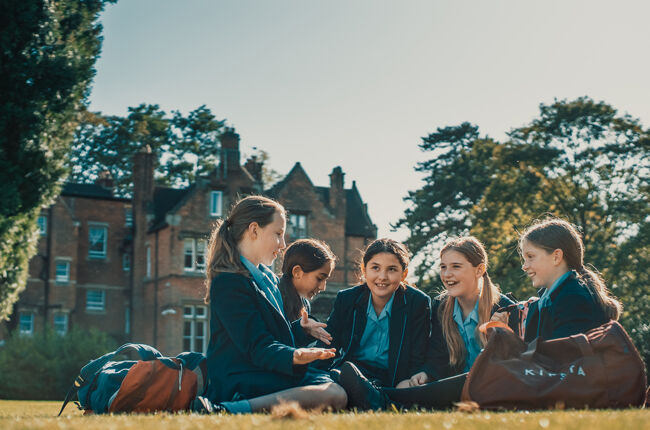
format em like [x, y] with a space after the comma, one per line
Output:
[26, 323]
[97, 242]
[61, 323]
[148, 262]
[298, 226]
[128, 216]
[126, 262]
[216, 198]
[62, 272]
[195, 328]
[193, 255]
[95, 300]
[42, 225]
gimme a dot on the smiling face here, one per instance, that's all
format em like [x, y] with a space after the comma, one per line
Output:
[383, 274]
[269, 240]
[459, 277]
[541, 266]
[309, 284]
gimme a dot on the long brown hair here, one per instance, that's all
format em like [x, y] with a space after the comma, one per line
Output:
[473, 250]
[222, 253]
[310, 255]
[555, 233]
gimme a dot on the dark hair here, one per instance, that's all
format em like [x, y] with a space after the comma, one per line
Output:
[310, 255]
[390, 246]
[555, 233]
[474, 251]
[222, 253]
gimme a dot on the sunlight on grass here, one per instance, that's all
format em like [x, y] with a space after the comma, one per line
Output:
[42, 415]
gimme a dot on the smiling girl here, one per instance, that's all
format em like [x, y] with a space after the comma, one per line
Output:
[253, 361]
[573, 298]
[382, 326]
[306, 267]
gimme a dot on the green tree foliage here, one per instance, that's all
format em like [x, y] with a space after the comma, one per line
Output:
[579, 160]
[47, 53]
[44, 366]
[187, 146]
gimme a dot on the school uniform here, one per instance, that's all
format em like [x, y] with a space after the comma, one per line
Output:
[251, 342]
[438, 352]
[388, 347]
[569, 307]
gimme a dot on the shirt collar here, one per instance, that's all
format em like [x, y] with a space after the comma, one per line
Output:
[259, 272]
[557, 282]
[458, 314]
[384, 312]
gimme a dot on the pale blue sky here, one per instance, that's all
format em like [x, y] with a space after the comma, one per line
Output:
[357, 83]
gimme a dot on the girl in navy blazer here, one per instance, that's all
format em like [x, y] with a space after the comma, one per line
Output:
[253, 360]
[573, 299]
[382, 326]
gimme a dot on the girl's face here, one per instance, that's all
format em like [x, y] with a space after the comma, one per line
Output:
[308, 284]
[269, 240]
[458, 275]
[384, 274]
[541, 266]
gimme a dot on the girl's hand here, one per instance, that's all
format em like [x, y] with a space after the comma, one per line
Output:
[419, 378]
[500, 316]
[314, 328]
[307, 355]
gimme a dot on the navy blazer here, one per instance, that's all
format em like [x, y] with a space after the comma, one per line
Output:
[438, 353]
[251, 345]
[409, 329]
[574, 309]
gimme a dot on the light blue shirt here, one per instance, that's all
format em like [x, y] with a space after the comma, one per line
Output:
[467, 329]
[373, 348]
[267, 281]
[545, 300]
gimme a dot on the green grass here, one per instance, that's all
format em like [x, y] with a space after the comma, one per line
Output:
[42, 415]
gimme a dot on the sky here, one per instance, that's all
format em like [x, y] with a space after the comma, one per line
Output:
[358, 83]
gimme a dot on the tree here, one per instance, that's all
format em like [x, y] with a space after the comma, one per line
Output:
[187, 146]
[47, 53]
[579, 160]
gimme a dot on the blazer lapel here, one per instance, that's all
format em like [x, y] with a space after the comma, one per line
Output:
[361, 318]
[272, 308]
[396, 327]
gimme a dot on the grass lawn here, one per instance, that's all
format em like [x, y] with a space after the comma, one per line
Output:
[42, 415]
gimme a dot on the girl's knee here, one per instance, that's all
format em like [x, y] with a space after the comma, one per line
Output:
[337, 398]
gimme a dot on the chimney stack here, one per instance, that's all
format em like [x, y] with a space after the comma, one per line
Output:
[337, 192]
[230, 157]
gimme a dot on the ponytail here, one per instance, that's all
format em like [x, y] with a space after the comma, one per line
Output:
[223, 254]
[290, 298]
[613, 308]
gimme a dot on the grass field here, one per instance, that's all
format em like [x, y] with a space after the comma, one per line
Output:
[42, 415]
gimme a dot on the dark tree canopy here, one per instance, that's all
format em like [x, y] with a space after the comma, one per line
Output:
[47, 54]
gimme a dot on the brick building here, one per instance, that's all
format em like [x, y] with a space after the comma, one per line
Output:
[135, 267]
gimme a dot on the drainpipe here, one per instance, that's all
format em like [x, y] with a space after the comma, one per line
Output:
[155, 294]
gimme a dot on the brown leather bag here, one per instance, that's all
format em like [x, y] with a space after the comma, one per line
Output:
[598, 369]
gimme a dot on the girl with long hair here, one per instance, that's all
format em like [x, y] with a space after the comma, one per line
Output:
[253, 360]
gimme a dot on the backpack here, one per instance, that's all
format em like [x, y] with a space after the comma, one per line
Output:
[153, 383]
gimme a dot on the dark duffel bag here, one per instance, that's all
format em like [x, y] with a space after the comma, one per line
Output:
[597, 369]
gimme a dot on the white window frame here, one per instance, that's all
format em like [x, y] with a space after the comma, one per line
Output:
[126, 262]
[128, 216]
[93, 253]
[194, 248]
[42, 225]
[148, 274]
[29, 331]
[62, 279]
[96, 305]
[298, 232]
[216, 203]
[192, 317]
[65, 323]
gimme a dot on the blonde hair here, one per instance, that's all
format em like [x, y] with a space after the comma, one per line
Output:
[222, 253]
[473, 250]
[555, 233]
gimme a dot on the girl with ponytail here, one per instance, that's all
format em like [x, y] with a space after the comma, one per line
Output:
[573, 298]
[253, 360]
[470, 299]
